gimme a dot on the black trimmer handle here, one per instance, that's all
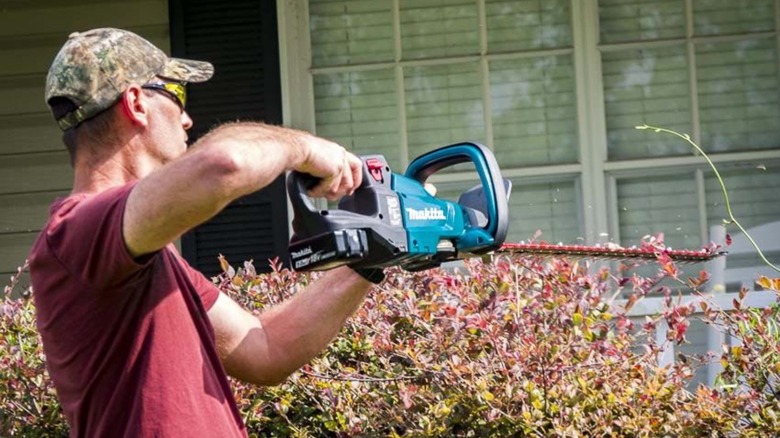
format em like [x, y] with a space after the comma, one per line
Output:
[308, 219]
[298, 183]
[323, 239]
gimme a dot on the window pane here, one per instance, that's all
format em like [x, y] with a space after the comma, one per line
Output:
[646, 86]
[721, 17]
[533, 107]
[527, 24]
[359, 111]
[738, 99]
[754, 201]
[753, 195]
[443, 106]
[438, 28]
[452, 190]
[621, 20]
[550, 208]
[350, 32]
[660, 204]
[665, 204]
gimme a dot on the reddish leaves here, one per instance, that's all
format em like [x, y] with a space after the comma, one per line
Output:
[522, 346]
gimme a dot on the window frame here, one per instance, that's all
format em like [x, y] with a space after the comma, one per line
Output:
[595, 176]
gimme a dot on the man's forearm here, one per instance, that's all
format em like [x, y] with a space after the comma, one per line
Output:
[261, 152]
[313, 317]
[229, 162]
[286, 337]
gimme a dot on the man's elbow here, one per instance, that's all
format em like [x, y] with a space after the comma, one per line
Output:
[225, 170]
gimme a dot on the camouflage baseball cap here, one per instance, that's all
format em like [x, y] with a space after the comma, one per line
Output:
[93, 68]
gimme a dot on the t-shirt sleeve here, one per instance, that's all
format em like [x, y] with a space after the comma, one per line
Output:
[207, 290]
[86, 236]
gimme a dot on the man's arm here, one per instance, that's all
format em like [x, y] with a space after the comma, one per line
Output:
[229, 162]
[267, 349]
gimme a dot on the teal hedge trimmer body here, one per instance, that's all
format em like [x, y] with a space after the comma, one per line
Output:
[392, 220]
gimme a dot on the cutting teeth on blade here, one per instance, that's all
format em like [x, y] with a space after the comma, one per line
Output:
[611, 252]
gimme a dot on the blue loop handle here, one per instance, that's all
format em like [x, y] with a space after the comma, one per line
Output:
[489, 173]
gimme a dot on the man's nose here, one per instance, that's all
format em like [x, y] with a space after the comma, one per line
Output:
[186, 120]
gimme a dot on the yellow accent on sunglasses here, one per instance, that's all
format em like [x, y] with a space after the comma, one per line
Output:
[175, 90]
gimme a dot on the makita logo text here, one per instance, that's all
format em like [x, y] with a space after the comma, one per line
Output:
[425, 214]
[303, 252]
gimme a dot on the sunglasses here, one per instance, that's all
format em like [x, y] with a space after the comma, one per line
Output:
[175, 90]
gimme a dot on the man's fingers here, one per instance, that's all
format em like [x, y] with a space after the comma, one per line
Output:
[347, 181]
[341, 173]
[351, 169]
[356, 169]
[333, 189]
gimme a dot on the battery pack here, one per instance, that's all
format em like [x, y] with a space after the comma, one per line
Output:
[329, 250]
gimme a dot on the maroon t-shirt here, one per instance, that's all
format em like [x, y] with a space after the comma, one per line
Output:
[128, 342]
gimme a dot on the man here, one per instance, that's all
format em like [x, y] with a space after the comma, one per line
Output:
[137, 342]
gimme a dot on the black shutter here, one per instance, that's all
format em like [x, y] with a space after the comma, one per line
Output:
[240, 39]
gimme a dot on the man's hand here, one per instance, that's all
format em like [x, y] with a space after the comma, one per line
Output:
[340, 172]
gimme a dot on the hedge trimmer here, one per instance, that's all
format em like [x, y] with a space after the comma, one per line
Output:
[392, 220]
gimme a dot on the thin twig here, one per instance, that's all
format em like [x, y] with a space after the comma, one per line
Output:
[732, 219]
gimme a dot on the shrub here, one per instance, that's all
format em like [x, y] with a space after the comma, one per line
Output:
[28, 403]
[520, 346]
[748, 399]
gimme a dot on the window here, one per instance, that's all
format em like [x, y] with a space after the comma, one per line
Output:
[708, 68]
[557, 97]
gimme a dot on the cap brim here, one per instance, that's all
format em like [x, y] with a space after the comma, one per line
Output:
[187, 70]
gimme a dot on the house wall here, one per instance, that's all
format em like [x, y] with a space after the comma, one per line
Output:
[609, 198]
[34, 166]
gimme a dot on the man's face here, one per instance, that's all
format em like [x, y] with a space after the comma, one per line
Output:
[170, 119]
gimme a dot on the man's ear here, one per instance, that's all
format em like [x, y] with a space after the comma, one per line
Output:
[135, 105]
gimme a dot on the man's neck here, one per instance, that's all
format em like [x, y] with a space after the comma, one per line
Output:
[128, 164]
